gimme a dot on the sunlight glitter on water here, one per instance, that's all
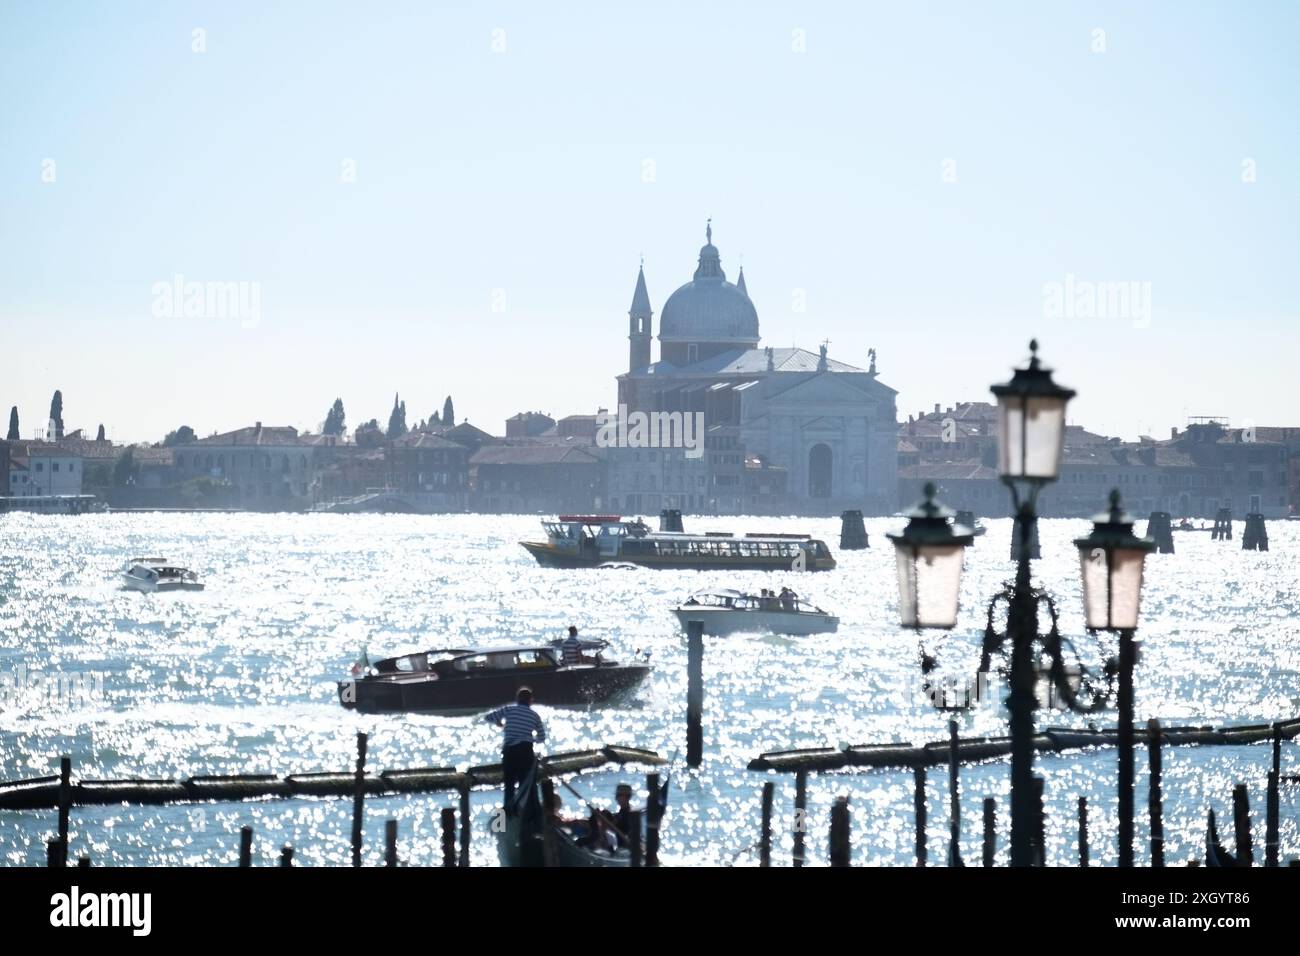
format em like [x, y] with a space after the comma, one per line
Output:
[240, 679]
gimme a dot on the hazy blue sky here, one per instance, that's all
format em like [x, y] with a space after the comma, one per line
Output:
[489, 244]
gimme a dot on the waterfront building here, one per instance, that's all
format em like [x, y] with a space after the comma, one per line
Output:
[267, 468]
[827, 427]
[537, 477]
[432, 469]
[34, 468]
[1254, 463]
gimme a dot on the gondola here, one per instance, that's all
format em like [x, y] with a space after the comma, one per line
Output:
[529, 838]
[468, 679]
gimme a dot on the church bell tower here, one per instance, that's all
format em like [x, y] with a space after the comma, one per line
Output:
[639, 325]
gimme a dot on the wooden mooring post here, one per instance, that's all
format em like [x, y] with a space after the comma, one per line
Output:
[841, 840]
[1222, 530]
[466, 819]
[954, 797]
[1241, 826]
[990, 830]
[1160, 529]
[765, 830]
[1083, 831]
[1155, 795]
[547, 832]
[670, 519]
[1271, 806]
[694, 693]
[60, 857]
[918, 798]
[1255, 535]
[634, 849]
[245, 846]
[1040, 824]
[653, 814]
[448, 823]
[853, 533]
[800, 815]
[359, 799]
[286, 855]
[390, 843]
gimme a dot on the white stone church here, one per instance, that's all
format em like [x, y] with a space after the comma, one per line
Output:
[786, 429]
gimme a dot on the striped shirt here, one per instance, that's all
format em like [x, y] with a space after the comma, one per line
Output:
[572, 649]
[520, 722]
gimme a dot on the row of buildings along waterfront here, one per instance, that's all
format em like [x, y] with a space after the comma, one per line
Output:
[543, 465]
[751, 429]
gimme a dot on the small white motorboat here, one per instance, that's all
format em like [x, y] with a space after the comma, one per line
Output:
[159, 574]
[733, 612]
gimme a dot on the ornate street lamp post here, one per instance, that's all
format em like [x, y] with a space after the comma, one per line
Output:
[930, 553]
[1111, 560]
[1030, 440]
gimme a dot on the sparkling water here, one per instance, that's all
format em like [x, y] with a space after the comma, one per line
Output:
[241, 679]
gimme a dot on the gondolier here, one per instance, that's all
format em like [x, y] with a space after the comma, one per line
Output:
[520, 727]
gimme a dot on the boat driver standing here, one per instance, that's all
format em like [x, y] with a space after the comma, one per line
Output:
[571, 647]
[520, 727]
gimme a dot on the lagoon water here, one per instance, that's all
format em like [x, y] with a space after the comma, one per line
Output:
[240, 679]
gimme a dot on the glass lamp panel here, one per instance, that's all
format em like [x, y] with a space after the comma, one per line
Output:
[1096, 580]
[906, 584]
[1125, 587]
[1044, 437]
[938, 584]
[1011, 423]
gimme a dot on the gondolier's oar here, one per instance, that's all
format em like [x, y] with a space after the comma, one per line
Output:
[604, 819]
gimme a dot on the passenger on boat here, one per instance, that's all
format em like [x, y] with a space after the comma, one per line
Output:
[599, 834]
[571, 648]
[787, 599]
[577, 825]
[520, 726]
[623, 815]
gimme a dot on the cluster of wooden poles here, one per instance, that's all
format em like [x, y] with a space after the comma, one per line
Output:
[840, 843]
[64, 794]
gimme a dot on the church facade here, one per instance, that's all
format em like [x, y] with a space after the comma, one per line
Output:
[786, 430]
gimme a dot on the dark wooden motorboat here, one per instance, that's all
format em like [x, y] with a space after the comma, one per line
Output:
[478, 678]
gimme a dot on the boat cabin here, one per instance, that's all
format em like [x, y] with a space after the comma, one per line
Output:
[740, 601]
[476, 662]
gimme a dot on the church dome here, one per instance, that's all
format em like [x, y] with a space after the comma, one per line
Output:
[709, 308]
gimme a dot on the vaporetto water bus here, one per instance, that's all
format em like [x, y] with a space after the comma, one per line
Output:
[586, 541]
